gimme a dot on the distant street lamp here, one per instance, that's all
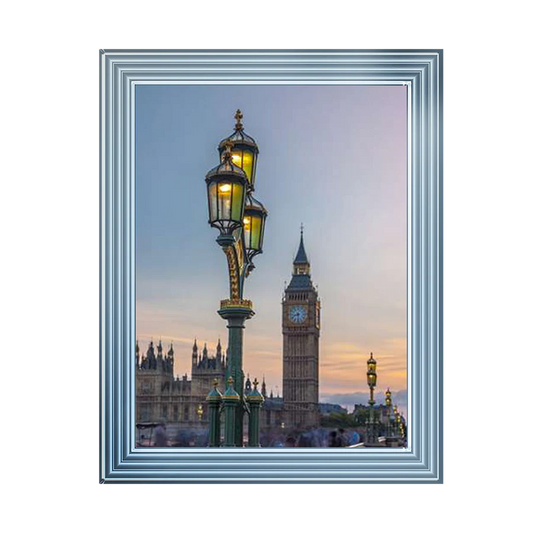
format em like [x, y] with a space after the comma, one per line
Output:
[401, 425]
[240, 219]
[388, 404]
[371, 378]
[200, 412]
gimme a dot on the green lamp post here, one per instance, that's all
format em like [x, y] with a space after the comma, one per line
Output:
[388, 404]
[232, 401]
[214, 402]
[255, 400]
[240, 219]
[396, 417]
[371, 377]
[401, 426]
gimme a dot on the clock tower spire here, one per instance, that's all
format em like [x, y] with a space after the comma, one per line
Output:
[301, 265]
[301, 332]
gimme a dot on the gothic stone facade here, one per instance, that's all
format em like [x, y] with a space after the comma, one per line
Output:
[162, 397]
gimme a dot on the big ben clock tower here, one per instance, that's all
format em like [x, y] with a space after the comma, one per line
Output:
[301, 332]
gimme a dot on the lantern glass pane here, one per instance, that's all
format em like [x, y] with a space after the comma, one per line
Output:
[248, 164]
[262, 232]
[224, 200]
[237, 233]
[256, 232]
[212, 194]
[255, 165]
[238, 202]
[236, 158]
[247, 226]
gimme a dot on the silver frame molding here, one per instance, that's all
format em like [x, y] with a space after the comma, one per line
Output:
[120, 72]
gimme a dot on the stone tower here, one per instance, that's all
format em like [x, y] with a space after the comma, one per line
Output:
[301, 332]
[205, 369]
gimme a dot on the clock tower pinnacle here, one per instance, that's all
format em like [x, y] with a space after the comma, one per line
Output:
[301, 332]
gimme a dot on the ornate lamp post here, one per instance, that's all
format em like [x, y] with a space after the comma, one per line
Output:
[214, 401]
[371, 378]
[240, 219]
[396, 418]
[388, 404]
[401, 425]
[255, 400]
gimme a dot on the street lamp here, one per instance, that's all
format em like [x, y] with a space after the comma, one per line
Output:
[226, 190]
[240, 219]
[253, 226]
[399, 424]
[396, 416]
[244, 150]
[388, 404]
[371, 378]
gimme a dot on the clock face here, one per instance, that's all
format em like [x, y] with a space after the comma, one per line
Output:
[297, 314]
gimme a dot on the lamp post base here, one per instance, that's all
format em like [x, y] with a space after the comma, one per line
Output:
[236, 312]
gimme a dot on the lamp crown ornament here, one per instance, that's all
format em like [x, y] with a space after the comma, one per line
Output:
[238, 119]
[228, 147]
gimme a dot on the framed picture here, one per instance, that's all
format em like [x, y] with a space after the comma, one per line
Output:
[271, 266]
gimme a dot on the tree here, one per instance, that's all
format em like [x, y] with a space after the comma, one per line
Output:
[338, 420]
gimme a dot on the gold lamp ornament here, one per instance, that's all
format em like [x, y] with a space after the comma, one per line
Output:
[200, 411]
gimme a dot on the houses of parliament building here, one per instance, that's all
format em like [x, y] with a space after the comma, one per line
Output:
[160, 396]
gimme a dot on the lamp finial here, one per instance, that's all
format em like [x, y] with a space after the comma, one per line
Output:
[228, 146]
[238, 118]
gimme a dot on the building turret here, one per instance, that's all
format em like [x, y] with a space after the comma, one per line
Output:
[137, 354]
[264, 388]
[170, 359]
[205, 369]
[150, 356]
[219, 352]
[159, 350]
[194, 354]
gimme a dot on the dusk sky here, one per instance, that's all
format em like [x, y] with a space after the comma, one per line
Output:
[331, 157]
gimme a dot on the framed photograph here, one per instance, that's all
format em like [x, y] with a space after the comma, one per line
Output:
[271, 266]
